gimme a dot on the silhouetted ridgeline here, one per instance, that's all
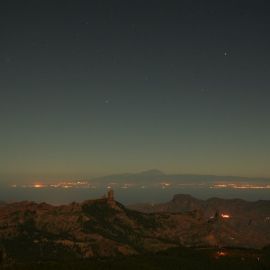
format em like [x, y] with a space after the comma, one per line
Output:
[155, 176]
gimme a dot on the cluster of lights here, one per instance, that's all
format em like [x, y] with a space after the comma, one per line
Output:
[221, 254]
[165, 185]
[69, 184]
[241, 186]
[225, 216]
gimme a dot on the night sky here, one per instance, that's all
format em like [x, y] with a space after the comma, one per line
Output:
[99, 87]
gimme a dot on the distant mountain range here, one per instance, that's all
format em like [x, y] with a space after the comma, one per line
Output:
[104, 227]
[156, 176]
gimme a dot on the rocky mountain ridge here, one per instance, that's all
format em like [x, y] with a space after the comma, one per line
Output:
[104, 227]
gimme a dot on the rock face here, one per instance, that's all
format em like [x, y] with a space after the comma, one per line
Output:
[247, 220]
[106, 228]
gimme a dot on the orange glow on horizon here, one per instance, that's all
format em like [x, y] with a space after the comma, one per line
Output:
[38, 185]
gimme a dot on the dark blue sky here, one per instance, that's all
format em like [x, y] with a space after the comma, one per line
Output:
[97, 87]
